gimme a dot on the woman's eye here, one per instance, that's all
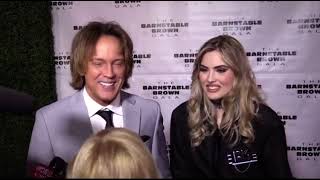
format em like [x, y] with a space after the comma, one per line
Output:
[222, 70]
[202, 69]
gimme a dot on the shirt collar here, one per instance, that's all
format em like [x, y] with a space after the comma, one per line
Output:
[93, 106]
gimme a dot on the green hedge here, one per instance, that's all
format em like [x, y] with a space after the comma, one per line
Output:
[27, 65]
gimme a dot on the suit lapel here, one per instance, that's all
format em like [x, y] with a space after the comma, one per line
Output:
[81, 122]
[131, 112]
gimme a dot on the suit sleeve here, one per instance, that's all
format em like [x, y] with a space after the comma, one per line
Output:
[275, 150]
[181, 163]
[40, 149]
[159, 147]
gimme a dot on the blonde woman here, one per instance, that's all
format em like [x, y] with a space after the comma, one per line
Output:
[226, 129]
[113, 153]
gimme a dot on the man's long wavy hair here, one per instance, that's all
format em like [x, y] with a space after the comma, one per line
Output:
[239, 105]
[83, 48]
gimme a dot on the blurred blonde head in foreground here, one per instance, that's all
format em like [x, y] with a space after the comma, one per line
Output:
[113, 153]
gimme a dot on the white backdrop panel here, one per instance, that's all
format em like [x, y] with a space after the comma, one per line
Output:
[281, 38]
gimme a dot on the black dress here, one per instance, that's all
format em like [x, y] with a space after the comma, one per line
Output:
[265, 157]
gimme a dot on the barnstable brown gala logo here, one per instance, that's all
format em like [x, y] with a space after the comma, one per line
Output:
[237, 26]
[61, 5]
[62, 60]
[309, 24]
[269, 57]
[308, 89]
[165, 90]
[306, 151]
[127, 4]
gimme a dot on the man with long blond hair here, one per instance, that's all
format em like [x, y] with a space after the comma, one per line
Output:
[101, 63]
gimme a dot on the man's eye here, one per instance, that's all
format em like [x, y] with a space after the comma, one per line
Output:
[97, 63]
[118, 63]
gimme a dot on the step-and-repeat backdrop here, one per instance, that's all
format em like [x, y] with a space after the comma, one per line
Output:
[282, 40]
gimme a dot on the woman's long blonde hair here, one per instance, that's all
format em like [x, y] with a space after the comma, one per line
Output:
[113, 153]
[239, 105]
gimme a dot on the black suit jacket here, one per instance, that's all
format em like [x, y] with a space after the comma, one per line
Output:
[266, 157]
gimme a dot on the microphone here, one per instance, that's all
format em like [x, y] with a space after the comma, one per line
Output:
[15, 101]
[59, 167]
[56, 169]
[41, 171]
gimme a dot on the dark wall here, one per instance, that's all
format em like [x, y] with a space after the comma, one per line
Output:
[26, 65]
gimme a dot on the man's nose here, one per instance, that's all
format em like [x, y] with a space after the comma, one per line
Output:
[108, 71]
